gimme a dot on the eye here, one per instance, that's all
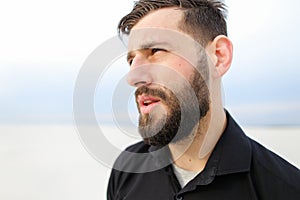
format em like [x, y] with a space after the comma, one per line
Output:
[155, 50]
[130, 61]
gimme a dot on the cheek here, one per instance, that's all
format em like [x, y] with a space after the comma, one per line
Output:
[183, 68]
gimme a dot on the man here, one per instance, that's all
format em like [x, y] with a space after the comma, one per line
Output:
[178, 51]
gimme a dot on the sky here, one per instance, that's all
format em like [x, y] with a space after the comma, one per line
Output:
[44, 44]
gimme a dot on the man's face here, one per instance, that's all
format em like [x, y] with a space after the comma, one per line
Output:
[172, 95]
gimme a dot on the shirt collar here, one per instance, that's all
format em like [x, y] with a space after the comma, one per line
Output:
[233, 149]
[232, 154]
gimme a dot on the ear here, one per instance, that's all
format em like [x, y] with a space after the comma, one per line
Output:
[222, 49]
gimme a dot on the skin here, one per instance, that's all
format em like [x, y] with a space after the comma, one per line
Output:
[219, 51]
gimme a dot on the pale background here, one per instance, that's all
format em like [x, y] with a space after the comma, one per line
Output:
[43, 45]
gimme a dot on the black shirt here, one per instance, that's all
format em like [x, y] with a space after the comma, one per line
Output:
[238, 168]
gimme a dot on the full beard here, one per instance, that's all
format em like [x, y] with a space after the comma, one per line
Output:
[176, 123]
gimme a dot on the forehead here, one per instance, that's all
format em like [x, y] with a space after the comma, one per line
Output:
[155, 28]
[167, 18]
[161, 19]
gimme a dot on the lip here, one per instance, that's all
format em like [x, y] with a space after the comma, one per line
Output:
[147, 103]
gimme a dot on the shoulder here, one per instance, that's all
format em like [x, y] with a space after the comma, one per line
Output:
[272, 162]
[139, 147]
[141, 158]
[119, 177]
[273, 171]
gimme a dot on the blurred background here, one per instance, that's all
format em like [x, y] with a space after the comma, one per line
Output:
[43, 45]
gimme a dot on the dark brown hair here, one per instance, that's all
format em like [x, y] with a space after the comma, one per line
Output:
[202, 19]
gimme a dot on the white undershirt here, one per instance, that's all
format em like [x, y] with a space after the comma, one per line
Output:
[184, 176]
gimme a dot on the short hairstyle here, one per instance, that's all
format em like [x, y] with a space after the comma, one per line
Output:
[202, 19]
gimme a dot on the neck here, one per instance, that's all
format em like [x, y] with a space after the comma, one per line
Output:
[193, 153]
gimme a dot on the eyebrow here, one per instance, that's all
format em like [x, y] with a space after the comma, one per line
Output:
[152, 44]
[147, 46]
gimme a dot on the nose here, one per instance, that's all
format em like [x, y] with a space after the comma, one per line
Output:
[140, 72]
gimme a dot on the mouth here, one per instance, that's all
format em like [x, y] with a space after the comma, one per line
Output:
[147, 103]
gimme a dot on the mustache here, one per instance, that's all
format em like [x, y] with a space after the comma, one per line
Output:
[151, 91]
